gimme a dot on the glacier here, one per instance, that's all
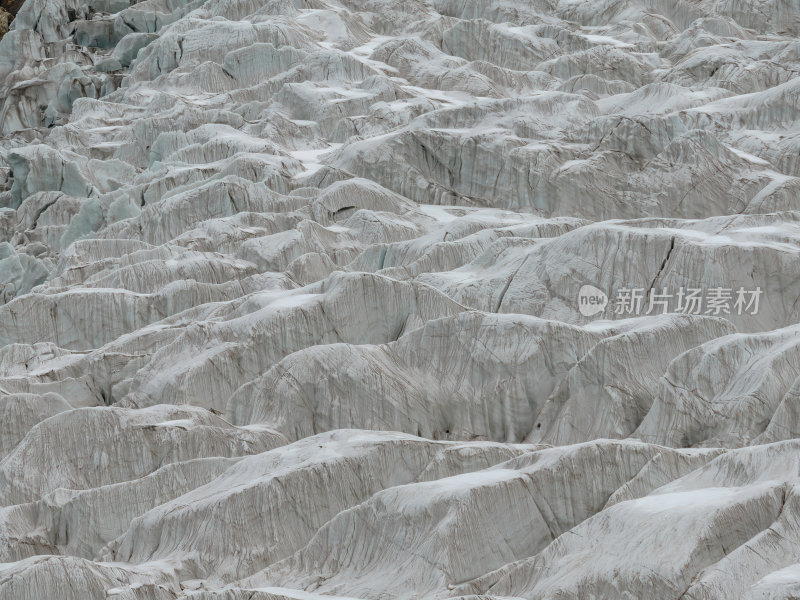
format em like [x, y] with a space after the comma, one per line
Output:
[291, 299]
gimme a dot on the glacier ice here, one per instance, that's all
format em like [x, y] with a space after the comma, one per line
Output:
[290, 299]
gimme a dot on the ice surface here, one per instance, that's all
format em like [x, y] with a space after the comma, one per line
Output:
[293, 300]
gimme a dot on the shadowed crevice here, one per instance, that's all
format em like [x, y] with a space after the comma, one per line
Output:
[8, 10]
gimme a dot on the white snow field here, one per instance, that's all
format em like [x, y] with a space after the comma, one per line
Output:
[400, 300]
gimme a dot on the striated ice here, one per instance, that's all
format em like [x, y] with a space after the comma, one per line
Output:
[290, 300]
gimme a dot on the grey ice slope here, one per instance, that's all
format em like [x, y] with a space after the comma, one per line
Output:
[288, 300]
